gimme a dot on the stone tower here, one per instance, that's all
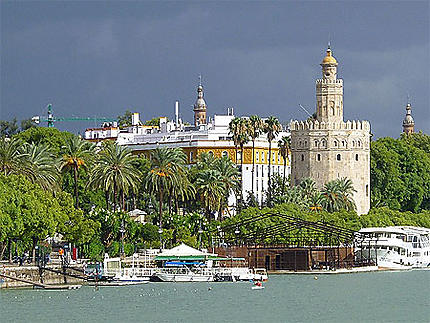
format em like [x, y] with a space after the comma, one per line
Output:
[408, 121]
[200, 107]
[328, 148]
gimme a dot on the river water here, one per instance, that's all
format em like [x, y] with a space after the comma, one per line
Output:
[360, 297]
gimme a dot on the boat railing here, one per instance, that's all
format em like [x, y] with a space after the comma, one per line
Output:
[148, 272]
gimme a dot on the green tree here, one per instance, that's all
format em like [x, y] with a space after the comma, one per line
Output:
[115, 172]
[230, 177]
[211, 190]
[271, 127]
[10, 156]
[400, 173]
[8, 128]
[77, 154]
[53, 137]
[255, 128]
[40, 165]
[167, 167]
[124, 120]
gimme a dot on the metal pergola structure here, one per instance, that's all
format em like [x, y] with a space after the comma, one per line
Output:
[291, 230]
[285, 231]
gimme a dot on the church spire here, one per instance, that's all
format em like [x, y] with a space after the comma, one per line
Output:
[200, 105]
[408, 121]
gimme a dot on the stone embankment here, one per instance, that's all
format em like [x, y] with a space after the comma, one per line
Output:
[52, 275]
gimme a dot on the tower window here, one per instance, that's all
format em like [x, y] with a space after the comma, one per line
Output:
[356, 157]
[303, 157]
[316, 143]
[367, 190]
[335, 143]
[343, 143]
[224, 153]
[319, 157]
[338, 157]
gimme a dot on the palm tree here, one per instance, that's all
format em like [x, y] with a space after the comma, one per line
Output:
[347, 190]
[316, 202]
[115, 172]
[77, 153]
[308, 187]
[234, 130]
[243, 137]
[39, 165]
[332, 195]
[166, 169]
[211, 189]
[271, 127]
[284, 145]
[255, 127]
[10, 155]
[229, 175]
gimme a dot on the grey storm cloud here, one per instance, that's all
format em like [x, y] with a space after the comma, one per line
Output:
[101, 58]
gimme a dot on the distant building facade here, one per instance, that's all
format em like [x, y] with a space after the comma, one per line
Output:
[327, 148]
[205, 136]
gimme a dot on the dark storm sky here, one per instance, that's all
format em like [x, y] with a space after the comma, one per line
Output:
[101, 58]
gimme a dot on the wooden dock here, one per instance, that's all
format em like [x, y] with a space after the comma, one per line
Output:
[40, 285]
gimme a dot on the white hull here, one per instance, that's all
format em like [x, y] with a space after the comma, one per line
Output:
[257, 287]
[184, 278]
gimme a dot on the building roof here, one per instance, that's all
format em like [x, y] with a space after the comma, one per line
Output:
[183, 250]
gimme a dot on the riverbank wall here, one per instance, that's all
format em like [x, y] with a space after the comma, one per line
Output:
[35, 275]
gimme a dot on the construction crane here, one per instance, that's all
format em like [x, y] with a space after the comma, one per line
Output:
[50, 119]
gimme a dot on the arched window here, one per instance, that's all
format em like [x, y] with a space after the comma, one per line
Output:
[335, 143]
[306, 143]
[303, 157]
[343, 143]
[257, 154]
[316, 143]
[319, 157]
[367, 190]
[225, 153]
[323, 143]
[356, 157]
[353, 143]
[359, 143]
[338, 157]
[211, 153]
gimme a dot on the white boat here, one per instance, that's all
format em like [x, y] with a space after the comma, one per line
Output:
[396, 247]
[185, 274]
[257, 287]
[123, 278]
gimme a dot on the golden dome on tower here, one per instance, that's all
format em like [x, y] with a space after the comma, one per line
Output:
[329, 59]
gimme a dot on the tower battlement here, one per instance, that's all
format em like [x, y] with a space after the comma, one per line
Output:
[329, 81]
[316, 125]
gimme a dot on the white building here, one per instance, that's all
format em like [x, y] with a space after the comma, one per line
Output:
[209, 136]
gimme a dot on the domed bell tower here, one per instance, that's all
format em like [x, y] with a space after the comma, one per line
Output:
[408, 121]
[200, 106]
[329, 91]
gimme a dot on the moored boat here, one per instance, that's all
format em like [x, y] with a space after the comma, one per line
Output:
[396, 247]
